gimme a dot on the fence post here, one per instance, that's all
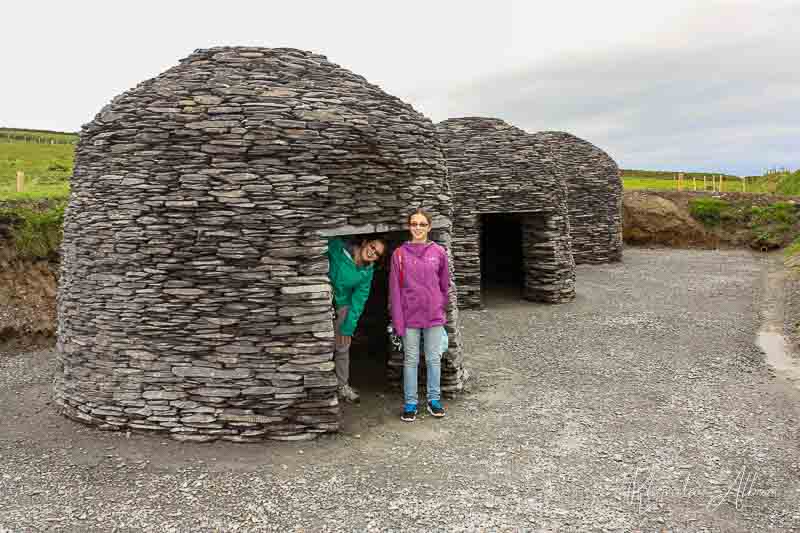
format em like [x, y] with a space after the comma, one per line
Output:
[694, 182]
[20, 181]
[705, 187]
[720, 183]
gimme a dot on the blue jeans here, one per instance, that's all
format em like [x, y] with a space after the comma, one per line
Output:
[432, 338]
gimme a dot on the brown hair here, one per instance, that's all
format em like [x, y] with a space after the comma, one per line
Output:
[424, 213]
[381, 262]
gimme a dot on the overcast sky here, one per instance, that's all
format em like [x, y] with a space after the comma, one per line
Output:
[676, 85]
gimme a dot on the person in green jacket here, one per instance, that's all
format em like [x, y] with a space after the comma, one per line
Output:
[351, 267]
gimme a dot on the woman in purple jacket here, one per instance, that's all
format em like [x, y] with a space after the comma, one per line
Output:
[418, 285]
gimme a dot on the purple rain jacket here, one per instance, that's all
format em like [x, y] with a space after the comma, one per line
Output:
[418, 283]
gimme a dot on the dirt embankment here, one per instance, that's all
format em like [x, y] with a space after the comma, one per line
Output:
[28, 289]
[652, 219]
[663, 217]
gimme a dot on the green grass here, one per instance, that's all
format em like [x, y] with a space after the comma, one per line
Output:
[35, 191]
[36, 234]
[777, 213]
[47, 168]
[42, 161]
[771, 226]
[638, 182]
[789, 184]
[774, 225]
[785, 183]
[36, 136]
[793, 249]
[709, 211]
[670, 174]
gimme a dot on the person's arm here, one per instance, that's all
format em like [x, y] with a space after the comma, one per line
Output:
[339, 294]
[395, 296]
[444, 279]
[357, 302]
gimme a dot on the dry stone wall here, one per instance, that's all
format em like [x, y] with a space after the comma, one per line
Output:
[595, 196]
[498, 168]
[194, 298]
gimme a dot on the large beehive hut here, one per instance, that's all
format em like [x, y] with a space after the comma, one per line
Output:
[194, 294]
[510, 211]
[595, 196]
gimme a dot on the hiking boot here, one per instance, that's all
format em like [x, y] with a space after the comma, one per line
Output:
[435, 408]
[348, 394]
[409, 413]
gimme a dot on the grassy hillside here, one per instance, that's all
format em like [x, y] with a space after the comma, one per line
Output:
[782, 182]
[658, 181]
[37, 136]
[768, 226]
[669, 174]
[786, 183]
[45, 157]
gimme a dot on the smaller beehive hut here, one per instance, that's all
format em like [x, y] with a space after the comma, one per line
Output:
[194, 296]
[594, 187]
[510, 218]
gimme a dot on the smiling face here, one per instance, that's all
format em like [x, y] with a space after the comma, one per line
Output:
[371, 251]
[419, 226]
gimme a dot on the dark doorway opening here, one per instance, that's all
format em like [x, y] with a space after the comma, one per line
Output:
[502, 265]
[370, 348]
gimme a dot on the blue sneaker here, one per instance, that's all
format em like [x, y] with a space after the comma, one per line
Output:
[409, 413]
[435, 408]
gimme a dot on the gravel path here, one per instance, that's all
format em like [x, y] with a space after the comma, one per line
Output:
[643, 405]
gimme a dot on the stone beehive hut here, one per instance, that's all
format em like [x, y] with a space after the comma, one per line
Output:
[194, 295]
[595, 196]
[496, 168]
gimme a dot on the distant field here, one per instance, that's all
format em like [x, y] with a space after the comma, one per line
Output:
[648, 183]
[43, 161]
[785, 183]
[37, 136]
[635, 182]
[669, 174]
[34, 191]
[46, 158]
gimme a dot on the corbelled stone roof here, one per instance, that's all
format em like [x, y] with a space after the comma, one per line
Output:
[498, 168]
[595, 196]
[194, 297]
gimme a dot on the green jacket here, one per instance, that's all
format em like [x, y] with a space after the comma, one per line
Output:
[351, 283]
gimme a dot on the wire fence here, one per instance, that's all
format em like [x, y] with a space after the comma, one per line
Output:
[12, 137]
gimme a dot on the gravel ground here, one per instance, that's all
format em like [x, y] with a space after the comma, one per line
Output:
[792, 302]
[643, 405]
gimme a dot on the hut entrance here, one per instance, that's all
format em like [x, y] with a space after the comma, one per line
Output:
[370, 365]
[502, 264]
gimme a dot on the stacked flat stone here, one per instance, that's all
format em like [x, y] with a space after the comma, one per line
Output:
[194, 299]
[498, 168]
[595, 196]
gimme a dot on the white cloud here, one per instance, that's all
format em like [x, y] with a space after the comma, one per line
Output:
[674, 84]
